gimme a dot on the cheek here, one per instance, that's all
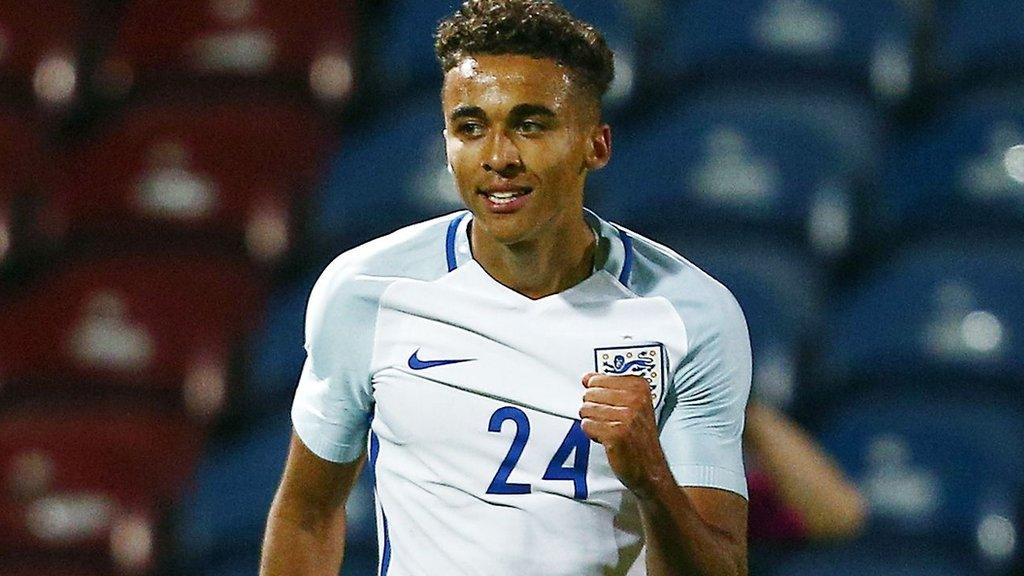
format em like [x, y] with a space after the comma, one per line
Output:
[559, 161]
[457, 156]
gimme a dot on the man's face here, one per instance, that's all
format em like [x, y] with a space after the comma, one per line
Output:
[520, 137]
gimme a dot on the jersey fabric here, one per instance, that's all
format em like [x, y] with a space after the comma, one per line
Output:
[468, 394]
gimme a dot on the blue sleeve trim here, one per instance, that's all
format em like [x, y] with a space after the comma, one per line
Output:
[385, 559]
[449, 244]
[627, 262]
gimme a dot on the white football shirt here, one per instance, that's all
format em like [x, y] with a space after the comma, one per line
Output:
[470, 393]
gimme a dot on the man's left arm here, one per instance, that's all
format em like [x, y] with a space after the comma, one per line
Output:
[688, 530]
[688, 475]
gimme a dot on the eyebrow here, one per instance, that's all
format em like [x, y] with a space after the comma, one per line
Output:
[525, 110]
[467, 112]
[518, 111]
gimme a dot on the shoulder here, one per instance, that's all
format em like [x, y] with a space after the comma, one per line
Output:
[659, 271]
[414, 252]
[348, 291]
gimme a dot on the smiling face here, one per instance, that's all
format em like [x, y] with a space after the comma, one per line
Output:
[521, 137]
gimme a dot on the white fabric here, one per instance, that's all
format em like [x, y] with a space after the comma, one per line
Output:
[520, 363]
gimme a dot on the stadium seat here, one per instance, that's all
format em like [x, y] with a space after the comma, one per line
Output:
[39, 50]
[223, 517]
[958, 172]
[276, 352]
[937, 316]
[232, 173]
[161, 327]
[737, 162]
[874, 560]
[936, 471]
[395, 176]
[358, 562]
[27, 216]
[52, 567]
[404, 51]
[90, 480]
[980, 41]
[307, 44]
[859, 43]
[780, 293]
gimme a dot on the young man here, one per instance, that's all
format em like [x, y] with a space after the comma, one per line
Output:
[543, 391]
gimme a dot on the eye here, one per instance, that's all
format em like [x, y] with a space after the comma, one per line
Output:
[470, 129]
[530, 127]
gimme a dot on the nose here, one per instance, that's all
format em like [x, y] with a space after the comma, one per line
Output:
[502, 155]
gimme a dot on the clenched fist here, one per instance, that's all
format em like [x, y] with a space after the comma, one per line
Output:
[618, 413]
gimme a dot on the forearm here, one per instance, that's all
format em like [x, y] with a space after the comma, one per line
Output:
[680, 542]
[804, 476]
[298, 544]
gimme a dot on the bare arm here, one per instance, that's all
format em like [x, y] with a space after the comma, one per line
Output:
[695, 531]
[306, 528]
[806, 478]
[688, 531]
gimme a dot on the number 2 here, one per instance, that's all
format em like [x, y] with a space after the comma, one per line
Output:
[500, 484]
[575, 444]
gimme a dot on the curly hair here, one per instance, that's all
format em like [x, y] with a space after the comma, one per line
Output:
[538, 28]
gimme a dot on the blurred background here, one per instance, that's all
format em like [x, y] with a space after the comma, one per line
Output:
[174, 174]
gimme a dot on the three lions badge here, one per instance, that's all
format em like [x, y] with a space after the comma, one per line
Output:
[648, 361]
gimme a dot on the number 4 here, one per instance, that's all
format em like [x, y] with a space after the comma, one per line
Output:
[578, 442]
[575, 444]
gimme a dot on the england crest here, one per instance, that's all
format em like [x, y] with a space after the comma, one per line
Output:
[648, 361]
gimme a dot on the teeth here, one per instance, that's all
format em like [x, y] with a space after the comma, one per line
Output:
[501, 199]
[504, 197]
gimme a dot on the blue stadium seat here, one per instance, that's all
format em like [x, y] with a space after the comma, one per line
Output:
[981, 40]
[863, 43]
[405, 48]
[222, 519]
[868, 560]
[405, 51]
[358, 562]
[276, 352]
[935, 471]
[233, 487]
[364, 195]
[738, 161]
[780, 293]
[955, 172]
[938, 315]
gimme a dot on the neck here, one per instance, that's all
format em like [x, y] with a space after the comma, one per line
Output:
[539, 267]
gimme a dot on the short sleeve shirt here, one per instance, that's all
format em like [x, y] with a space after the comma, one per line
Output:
[468, 396]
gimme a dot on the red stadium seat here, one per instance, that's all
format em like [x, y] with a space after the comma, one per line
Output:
[231, 172]
[90, 481]
[51, 567]
[39, 45]
[304, 42]
[159, 326]
[26, 210]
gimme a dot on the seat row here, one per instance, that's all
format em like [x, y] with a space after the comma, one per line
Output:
[260, 176]
[872, 46]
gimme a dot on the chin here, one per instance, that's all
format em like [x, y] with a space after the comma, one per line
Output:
[504, 229]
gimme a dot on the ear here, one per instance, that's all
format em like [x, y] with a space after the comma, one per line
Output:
[599, 149]
[447, 160]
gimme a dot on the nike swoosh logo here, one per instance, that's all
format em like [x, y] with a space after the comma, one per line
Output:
[416, 364]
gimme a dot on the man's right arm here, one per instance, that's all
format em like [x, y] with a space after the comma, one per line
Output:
[306, 528]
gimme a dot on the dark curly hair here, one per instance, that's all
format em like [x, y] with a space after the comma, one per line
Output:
[538, 28]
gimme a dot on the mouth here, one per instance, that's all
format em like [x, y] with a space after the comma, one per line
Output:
[505, 199]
